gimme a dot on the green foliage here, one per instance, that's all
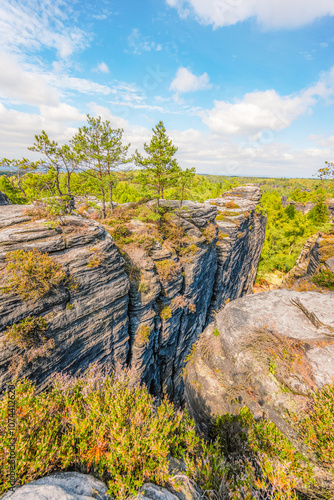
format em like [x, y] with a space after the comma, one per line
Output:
[325, 278]
[33, 274]
[319, 214]
[103, 425]
[259, 460]
[103, 152]
[165, 313]
[143, 335]
[216, 332]
[210, 233]
[160, 167]
[290, 211]
[27, 333]
[14, 194]
[286, 232]
[316, 428]
[167, 269]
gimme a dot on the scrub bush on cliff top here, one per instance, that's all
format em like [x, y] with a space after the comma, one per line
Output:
[33, 274]
[102, 425]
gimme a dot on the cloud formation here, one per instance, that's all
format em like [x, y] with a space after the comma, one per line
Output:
[186, 81]
[275, 14]
[266, 110]
[34, 24]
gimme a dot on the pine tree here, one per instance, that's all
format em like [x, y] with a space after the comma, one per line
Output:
[104, 153]
[160, 168]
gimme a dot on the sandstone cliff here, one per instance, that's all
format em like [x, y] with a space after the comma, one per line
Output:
[149, 317]
[266, 351]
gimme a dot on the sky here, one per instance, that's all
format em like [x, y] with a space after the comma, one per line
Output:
[244, 87]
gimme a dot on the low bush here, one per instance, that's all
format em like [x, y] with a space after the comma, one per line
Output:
[210, 233]
[33, 274]
[102, 425]
[27, 333]
[143, 335]
[324, 278]
[166, 313]
[167, 269]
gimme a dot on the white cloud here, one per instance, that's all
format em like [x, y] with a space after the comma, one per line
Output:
[33, 24]
[139, 44]
[18, 130]
[257, 111]
[267, 110]
[186, 81]
[62, 113]
[102, 67]
[269, 13]
[25, 87]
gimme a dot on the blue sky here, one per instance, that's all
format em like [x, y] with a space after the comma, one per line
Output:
[244, 87]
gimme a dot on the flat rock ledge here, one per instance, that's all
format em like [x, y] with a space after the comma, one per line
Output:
[266, 351]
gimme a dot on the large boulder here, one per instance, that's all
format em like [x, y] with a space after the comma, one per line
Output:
[61, 486]
[266, 351]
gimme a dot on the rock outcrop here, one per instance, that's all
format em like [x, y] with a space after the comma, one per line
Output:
[4, 200]
[148, 319]
[265, 351]
[317, 253]
[87, 325]
[61, 486]
[76, 486]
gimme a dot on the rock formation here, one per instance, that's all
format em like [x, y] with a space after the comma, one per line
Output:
[317, 253]
[4, 200]
[149, 319]
[264, 351]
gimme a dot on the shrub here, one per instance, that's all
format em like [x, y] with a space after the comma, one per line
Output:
[210, 233]
[33, 274]
[324, 278]
[102, 425]
[143, 287]
[120, 232]
[167, 269]
[96, 258]
[231, 204]
[27, 333]
[216, 332]
[316, 428]
[166, 313]
[143, 334]
[192, 307]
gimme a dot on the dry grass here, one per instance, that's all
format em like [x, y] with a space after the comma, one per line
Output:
[282, 355]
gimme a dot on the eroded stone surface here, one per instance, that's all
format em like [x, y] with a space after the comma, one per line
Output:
[149, 321]
[61, 486]
[266, 353]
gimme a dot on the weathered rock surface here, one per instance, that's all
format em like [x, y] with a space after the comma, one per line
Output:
[219, 264]
[317, 253]
[149, 321]
[87, 325]
[265, 351]
[76, 486]
[4, 200]
[61, 486]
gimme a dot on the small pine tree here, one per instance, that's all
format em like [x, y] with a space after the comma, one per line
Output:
[160, 168]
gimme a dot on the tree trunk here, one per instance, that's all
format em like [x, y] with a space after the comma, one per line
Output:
[110, 193]
[68, 183]
[103, 203]
[57, 183]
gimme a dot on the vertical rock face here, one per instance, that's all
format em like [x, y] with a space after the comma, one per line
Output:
[87, 325]
[150, 318]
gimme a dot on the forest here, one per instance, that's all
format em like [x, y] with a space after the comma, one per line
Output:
[96, 163]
